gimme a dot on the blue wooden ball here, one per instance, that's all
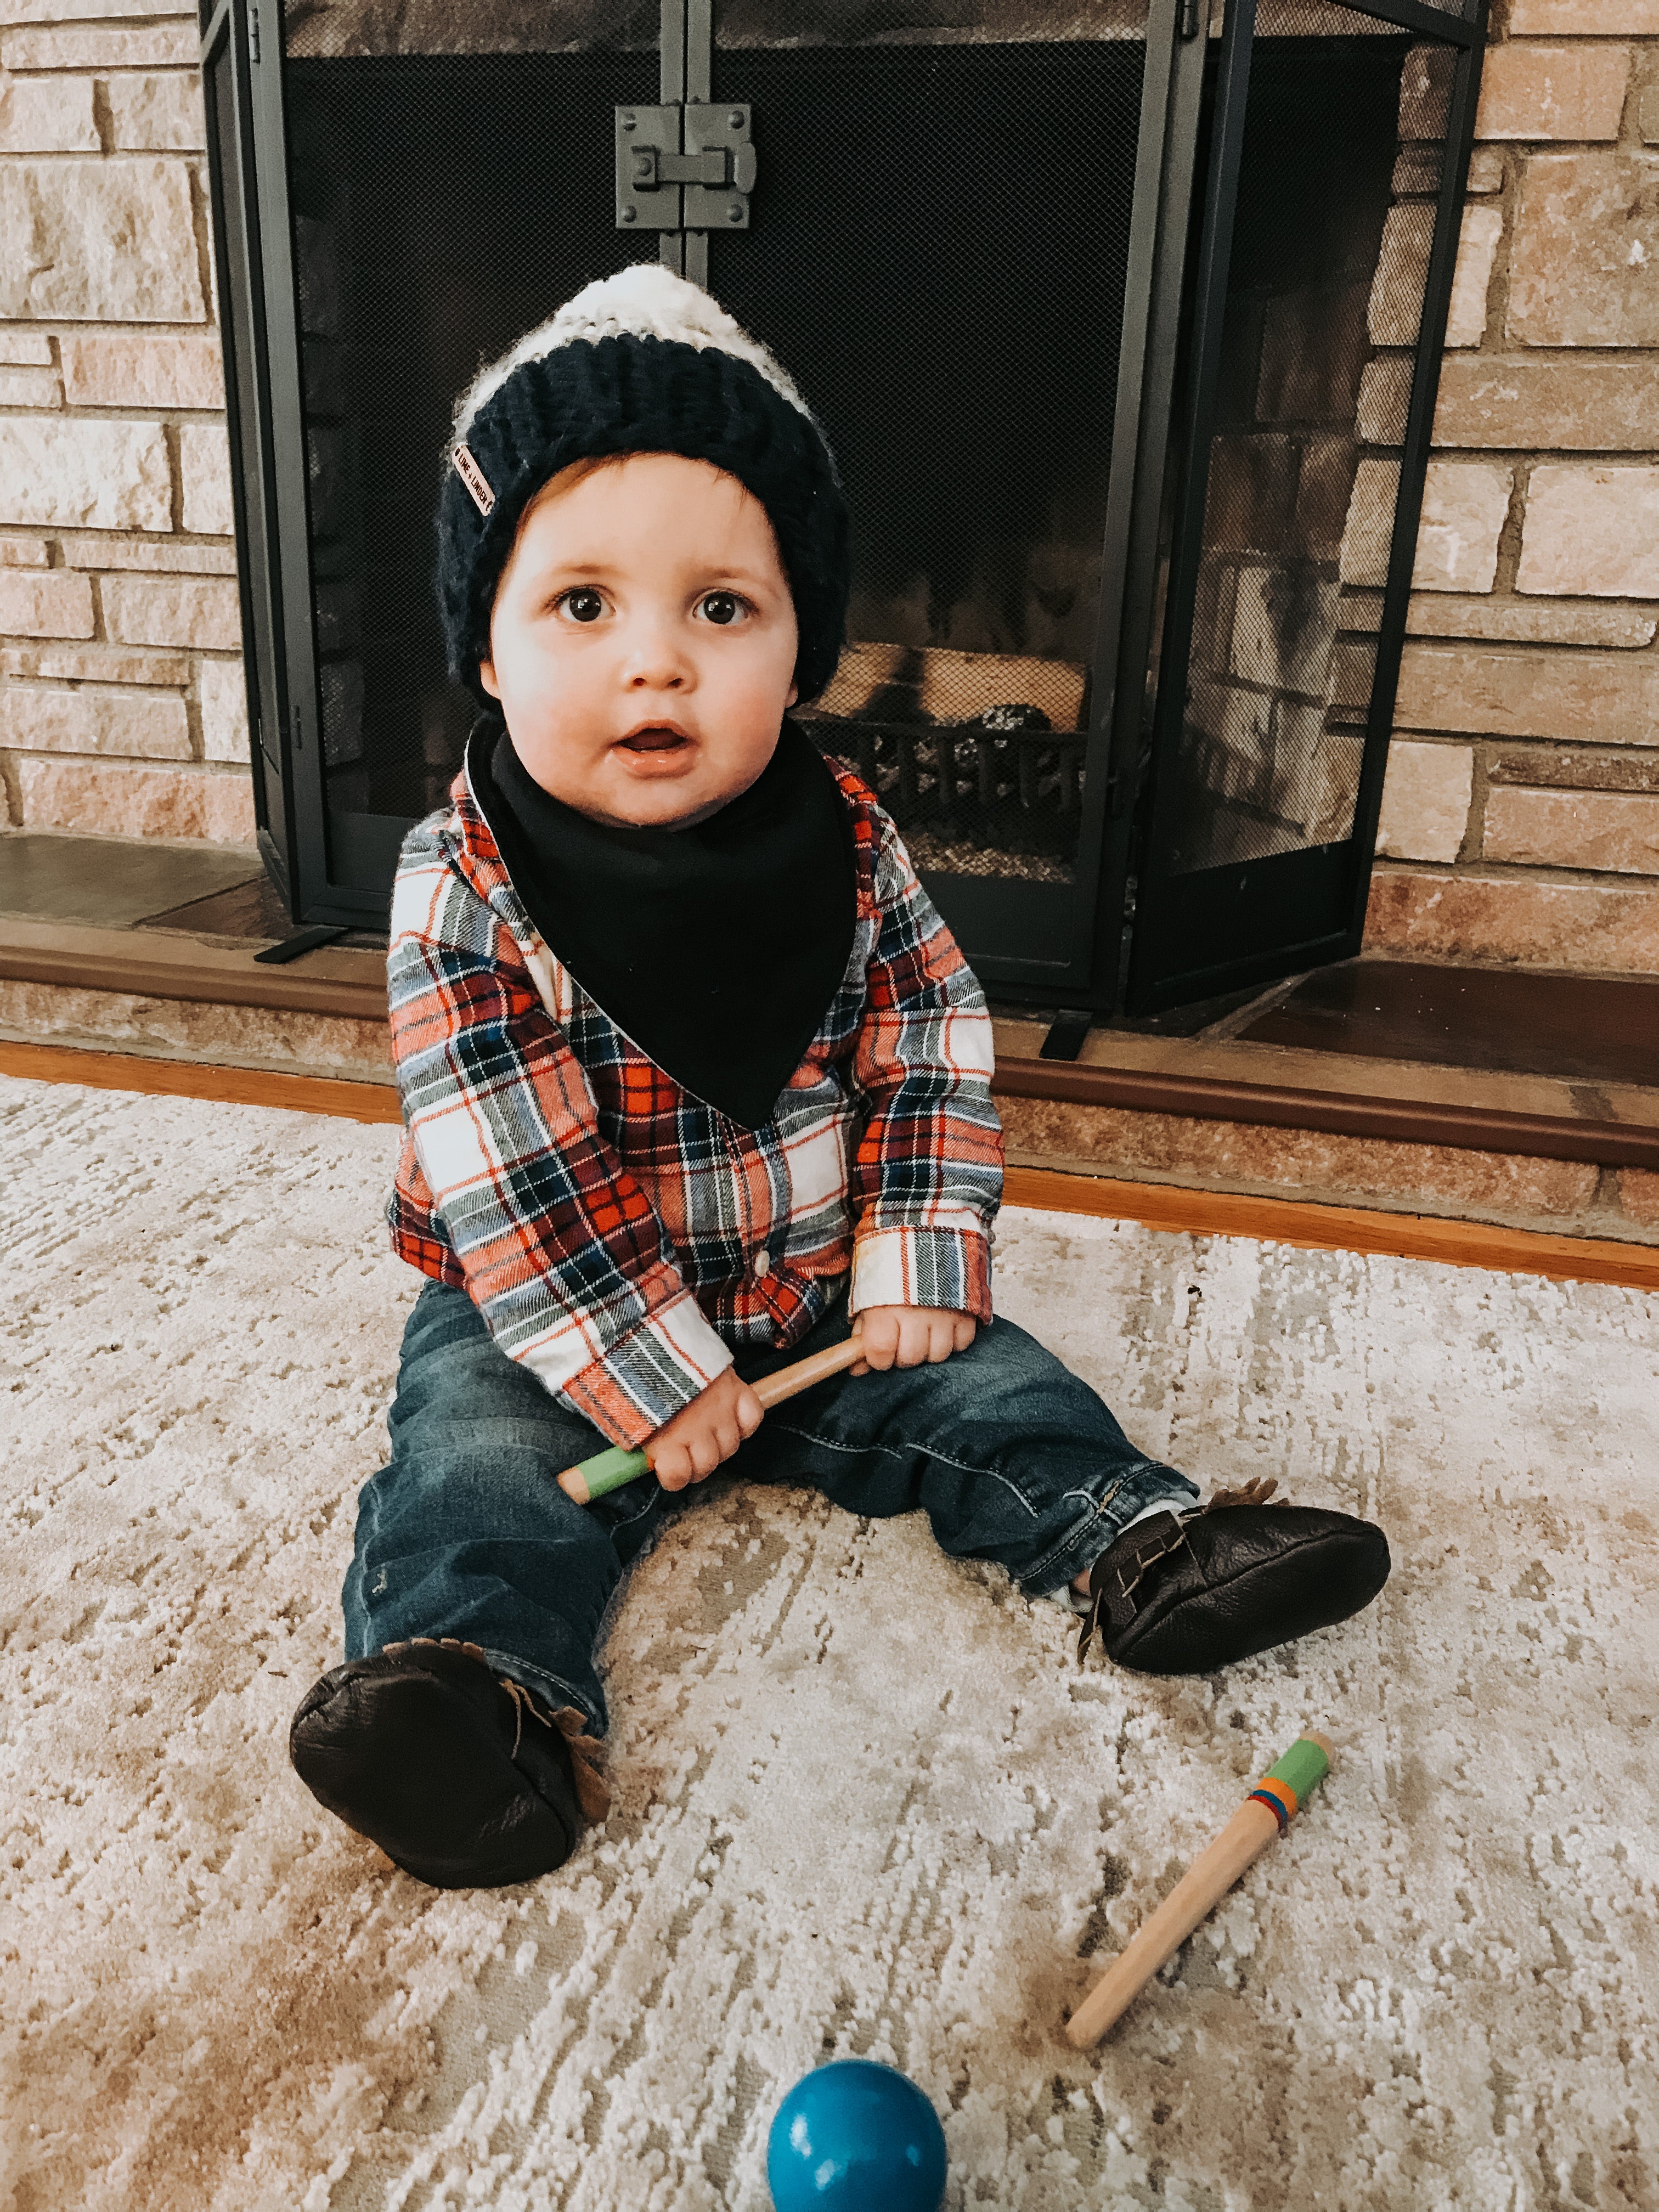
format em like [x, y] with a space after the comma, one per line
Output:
[853, 2136]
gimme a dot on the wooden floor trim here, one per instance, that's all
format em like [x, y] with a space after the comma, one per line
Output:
[1155, 1205]
[350, 985]
[189, 1078]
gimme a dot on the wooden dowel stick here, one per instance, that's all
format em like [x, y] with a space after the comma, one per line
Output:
[1196, 1895]
[610, 1470]
[1193, 1897]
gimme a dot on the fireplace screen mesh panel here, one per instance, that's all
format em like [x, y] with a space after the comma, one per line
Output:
[967, 383]
[416, 262]
[912, 162]
[1341, 163]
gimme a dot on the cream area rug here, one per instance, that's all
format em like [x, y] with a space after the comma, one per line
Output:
[865, 1803]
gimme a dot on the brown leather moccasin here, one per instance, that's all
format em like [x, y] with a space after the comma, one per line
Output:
[461, 1778]
[1184, 1595]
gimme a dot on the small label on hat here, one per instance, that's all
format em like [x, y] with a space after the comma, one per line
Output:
[474, 478]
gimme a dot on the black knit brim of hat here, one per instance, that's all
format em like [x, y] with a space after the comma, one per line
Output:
[632, 394]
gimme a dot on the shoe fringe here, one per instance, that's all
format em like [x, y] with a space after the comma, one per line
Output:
[1256, 1492]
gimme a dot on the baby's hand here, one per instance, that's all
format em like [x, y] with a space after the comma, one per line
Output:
[905, 1336]
[711, 1428]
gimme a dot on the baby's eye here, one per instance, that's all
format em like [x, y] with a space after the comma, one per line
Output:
[583, 605]
[723, 607]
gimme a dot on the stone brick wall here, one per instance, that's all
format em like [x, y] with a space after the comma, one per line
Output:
[122, 709]
[1521, 819]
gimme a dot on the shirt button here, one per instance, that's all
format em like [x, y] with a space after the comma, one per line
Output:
[762, 1266]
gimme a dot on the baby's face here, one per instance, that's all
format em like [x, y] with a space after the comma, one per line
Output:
[642, 641]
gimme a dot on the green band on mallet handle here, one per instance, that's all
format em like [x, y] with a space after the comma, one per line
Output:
[610, 1470]
[1202, 1888]
[1304, 1765]
[606, 1470]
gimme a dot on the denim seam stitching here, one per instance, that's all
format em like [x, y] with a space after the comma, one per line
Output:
[1084, 1520]
[888, 1451]
[615, 1528]
[964, 1466]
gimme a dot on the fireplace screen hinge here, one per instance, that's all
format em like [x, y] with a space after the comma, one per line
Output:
[688, 167]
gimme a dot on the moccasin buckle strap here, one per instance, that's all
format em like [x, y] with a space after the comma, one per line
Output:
[1119, 1571]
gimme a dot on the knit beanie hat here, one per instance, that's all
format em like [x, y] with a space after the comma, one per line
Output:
[641, 362]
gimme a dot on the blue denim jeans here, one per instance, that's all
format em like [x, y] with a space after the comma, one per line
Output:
[467, 1533]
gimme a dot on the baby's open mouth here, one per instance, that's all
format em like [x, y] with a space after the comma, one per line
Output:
[654, 740]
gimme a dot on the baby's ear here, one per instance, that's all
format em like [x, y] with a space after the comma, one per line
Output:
[487, 678]
[794, 693]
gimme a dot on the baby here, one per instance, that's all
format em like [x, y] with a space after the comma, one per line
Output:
[694, 1083]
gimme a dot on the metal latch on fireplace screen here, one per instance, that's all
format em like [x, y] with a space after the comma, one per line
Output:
[684, 168]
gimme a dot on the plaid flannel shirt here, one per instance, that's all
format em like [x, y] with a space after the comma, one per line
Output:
[617, 1235]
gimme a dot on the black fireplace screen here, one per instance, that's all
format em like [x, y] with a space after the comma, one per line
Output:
[1122, 335]
[1276, 687]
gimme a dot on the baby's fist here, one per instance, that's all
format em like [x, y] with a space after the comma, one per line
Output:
[907, 1336]
[709, 1430]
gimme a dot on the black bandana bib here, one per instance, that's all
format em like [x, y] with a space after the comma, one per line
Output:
[716, 948]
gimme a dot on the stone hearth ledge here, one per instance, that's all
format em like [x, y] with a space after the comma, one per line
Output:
[1558, 1197]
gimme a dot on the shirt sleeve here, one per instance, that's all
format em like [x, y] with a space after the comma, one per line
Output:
[927, 1171]
[557, 1245]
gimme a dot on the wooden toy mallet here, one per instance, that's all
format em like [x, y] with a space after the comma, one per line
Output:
[610, 1470]
[1264, 1815]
